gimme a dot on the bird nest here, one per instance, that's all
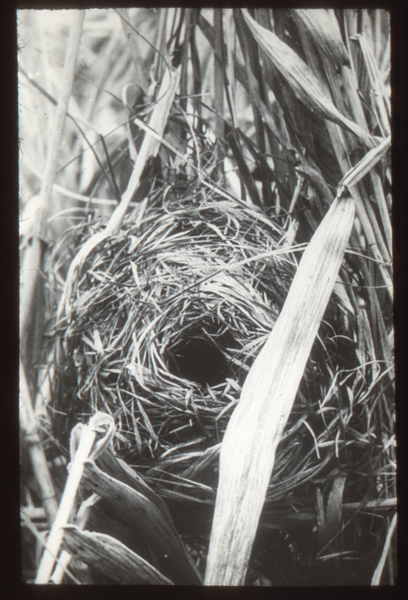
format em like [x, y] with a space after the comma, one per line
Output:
[167, 318]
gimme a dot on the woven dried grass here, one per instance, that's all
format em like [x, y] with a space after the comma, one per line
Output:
[167, 319]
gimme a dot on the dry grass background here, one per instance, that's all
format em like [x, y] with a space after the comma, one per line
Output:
[278, 139]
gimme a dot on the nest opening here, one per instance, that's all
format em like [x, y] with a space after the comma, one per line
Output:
[200, 355]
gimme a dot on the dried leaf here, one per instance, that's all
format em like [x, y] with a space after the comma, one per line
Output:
[301, 79]
[334, 511]
[135, 510]
[323, 27]
[112, 558]
[365, 165]
[254, 431]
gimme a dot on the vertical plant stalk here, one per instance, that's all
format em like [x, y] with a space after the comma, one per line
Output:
[251, 60]
[131, 34]
[157, 68]
[37, 456]
[379, 570]
[219, 81]
[80, 522]
[29, 279]
[30, 276]
[66, 505]
[184, 60]
[85, 449]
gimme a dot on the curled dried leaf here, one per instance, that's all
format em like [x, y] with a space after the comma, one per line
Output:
[112, 558]
[353, 176]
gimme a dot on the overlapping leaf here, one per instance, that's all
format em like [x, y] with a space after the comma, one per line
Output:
[301, 79]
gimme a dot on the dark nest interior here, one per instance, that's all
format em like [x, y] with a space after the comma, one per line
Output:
[167, 318]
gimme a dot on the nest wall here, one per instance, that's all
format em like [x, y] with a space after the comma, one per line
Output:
[167, 319]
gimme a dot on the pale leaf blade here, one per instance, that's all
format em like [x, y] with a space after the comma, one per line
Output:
[301, 79]
[255, 428]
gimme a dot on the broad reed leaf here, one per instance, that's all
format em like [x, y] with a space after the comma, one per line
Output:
[112, 558]
[324, 29]
[118, 469]
[365, 165]
[379, 97]
[253, 433]
[139, 513]
[334, 510]
[302, 80]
